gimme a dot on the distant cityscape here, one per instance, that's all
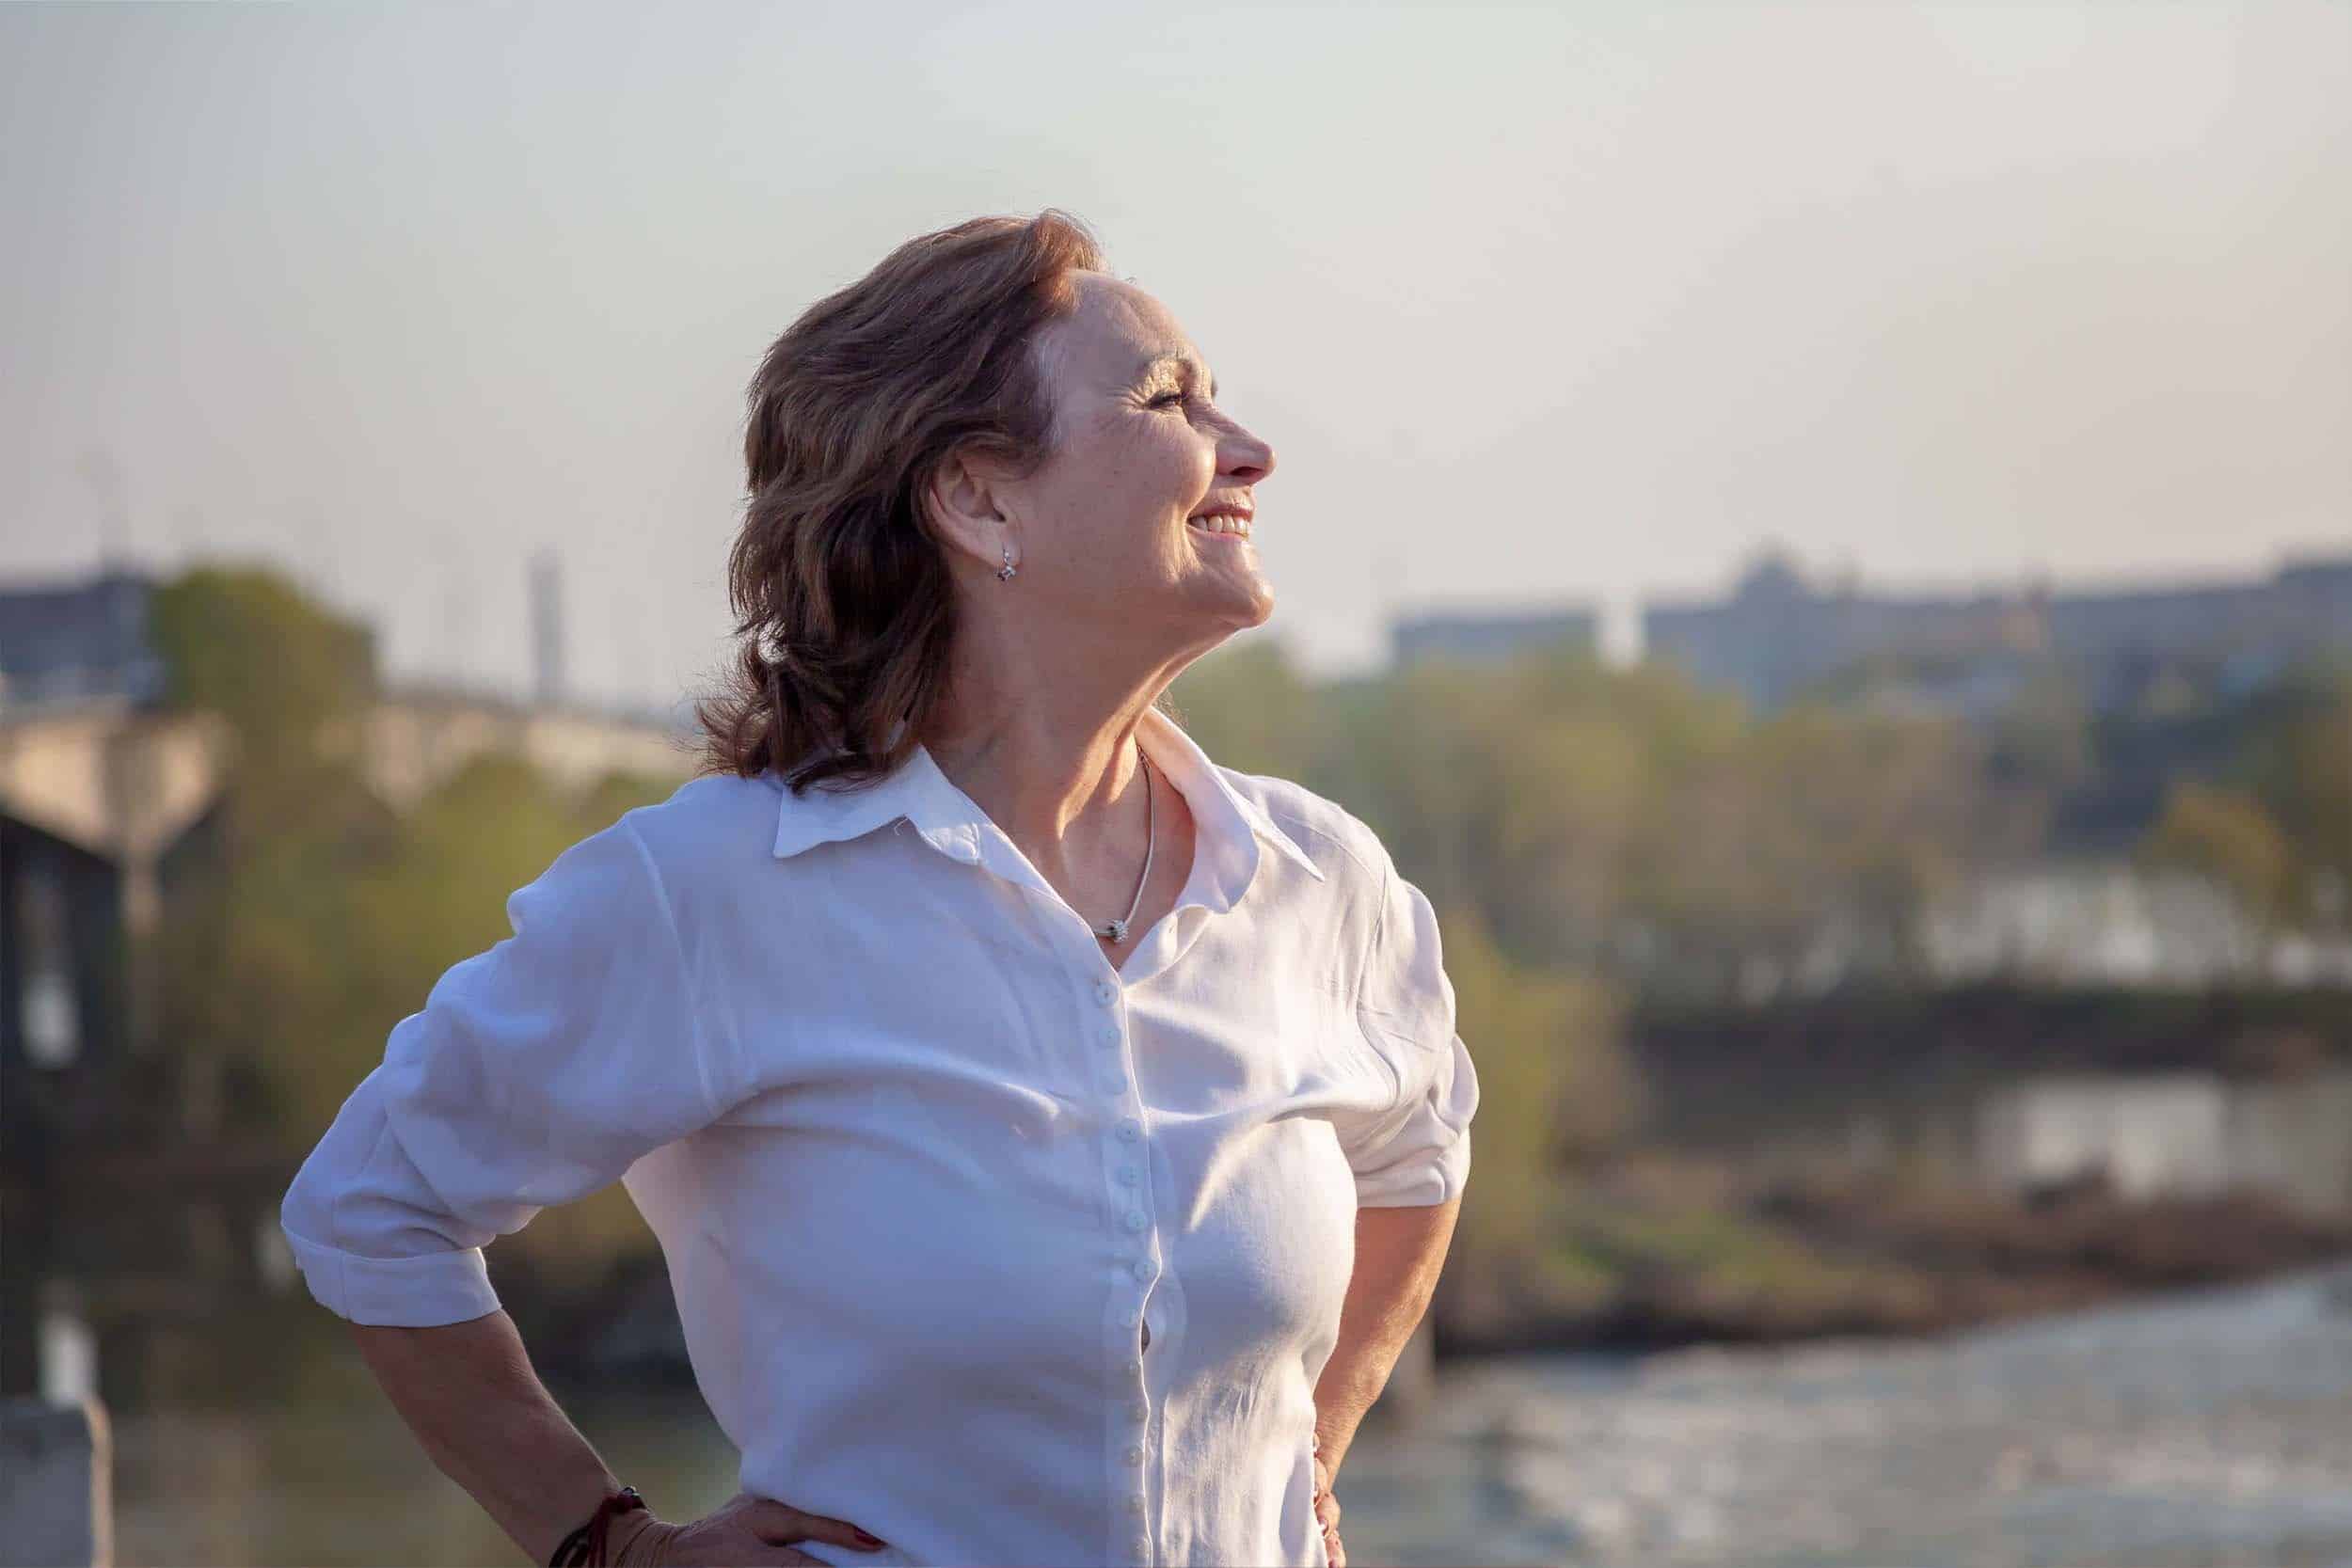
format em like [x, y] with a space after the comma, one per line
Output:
[1777, 636]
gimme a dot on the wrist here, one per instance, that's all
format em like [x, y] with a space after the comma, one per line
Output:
[595, 1543]
[640, 1541]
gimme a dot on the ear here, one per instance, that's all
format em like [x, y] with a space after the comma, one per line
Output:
[961, 499]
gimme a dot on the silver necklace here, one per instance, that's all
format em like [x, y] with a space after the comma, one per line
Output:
[1117, 929]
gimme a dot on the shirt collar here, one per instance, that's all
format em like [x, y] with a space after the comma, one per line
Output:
[1228, 824]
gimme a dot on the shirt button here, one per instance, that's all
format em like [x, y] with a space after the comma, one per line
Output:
[1105, 992]
[1143, 1270]
[1135, 1220]
[1110, 1034]
[965, 852]
[1134, 1455]
[1141, 1411]
[1135, 1503]
[1129, 1174]
[1131, 1130]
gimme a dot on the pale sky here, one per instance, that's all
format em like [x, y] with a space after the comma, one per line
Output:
[1535, 304]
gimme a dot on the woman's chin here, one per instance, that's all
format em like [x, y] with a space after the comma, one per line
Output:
[1254, 607]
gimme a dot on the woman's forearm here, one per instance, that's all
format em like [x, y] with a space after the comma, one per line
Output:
[469, 1394]
[1399, 1253]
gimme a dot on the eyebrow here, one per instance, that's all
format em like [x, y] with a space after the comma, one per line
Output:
[1170, 356]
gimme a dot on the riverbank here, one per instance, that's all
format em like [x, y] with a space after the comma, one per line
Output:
[1662, 1250]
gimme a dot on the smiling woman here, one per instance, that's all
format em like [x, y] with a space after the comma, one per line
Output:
[1135, 1211]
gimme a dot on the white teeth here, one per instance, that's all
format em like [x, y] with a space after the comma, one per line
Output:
[1224, 522]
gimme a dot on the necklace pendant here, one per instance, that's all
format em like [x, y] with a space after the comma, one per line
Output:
[1116, 930]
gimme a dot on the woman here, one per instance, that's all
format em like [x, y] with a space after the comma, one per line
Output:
[1053, 1135]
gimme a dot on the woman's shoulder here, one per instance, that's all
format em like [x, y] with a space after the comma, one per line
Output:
[709, 825]
[1343, 846]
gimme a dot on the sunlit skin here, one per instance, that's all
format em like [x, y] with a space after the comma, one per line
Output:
[1099, 532]
[1114, 593]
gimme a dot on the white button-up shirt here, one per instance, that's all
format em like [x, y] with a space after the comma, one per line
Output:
[926, 1169]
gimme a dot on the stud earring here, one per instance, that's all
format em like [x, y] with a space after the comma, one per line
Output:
[1004, 573]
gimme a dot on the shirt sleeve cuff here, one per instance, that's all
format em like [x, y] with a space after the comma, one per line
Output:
[422, 1292]
[1436, 1177]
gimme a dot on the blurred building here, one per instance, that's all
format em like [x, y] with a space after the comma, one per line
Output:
[76, 641]
[1779, 634]
[2189, 1134]
[97, 782]
[1491, 638]
[2112, 924]
[2069, 922]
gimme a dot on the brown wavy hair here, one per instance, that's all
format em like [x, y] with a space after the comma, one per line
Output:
[845, 613]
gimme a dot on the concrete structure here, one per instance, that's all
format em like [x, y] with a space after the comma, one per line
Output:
[415, 738]
[92, 798]
[57, 1485]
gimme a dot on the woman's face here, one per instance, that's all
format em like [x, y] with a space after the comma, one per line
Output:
[1105, 530]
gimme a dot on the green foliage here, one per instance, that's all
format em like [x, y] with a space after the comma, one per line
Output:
[2226, 837]
[311, 918]
[2299, 760]
[1556, 1088]
[243, 643]
[246, 644]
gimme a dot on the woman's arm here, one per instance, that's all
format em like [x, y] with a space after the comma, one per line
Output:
[1399, 1253]
[469, 1394]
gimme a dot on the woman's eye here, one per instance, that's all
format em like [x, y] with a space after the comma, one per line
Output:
[1166, 398]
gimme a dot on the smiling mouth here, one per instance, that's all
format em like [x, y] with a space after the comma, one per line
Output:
[1221, 524]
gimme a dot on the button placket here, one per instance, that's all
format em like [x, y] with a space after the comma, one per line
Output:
[1125, 1171]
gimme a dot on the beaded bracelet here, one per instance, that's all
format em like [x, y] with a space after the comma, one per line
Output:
[585, 1546]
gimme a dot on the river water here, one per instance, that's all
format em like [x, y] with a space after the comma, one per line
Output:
[2212, 1428]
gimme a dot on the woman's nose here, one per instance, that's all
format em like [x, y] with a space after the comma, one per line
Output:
[1246, 457]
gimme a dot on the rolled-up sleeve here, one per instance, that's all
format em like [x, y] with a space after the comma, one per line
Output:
[537, 1073]
[1419, 1152]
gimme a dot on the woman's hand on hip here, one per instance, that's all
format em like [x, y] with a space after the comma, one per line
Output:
[747, 1529]
[1327, 1512]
